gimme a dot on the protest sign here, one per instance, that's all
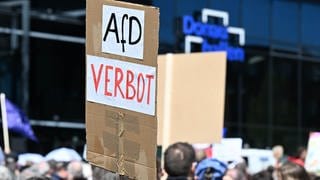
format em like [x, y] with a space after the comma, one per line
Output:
[312, 163]
[228, 150]
[121, 61]
[191, 95]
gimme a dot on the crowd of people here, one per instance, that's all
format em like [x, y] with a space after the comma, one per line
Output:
[180, 162]
[10, 169]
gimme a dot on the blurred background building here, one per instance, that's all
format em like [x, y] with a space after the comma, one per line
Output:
[271, 97]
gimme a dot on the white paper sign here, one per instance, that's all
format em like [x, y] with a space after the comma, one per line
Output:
[228, 150]
[122, 31]
[121, 84]
[312, 163]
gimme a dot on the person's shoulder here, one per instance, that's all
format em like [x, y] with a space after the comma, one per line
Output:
[177, 178]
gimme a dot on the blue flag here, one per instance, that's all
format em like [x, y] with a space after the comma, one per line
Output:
[18, 121]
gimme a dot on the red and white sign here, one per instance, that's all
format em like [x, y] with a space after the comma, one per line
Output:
[121, 84]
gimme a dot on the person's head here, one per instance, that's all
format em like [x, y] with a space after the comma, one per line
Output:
[11, 160]
[37, 170]
[43, 168]
[178, 159]
[53, 166]
[59, 170]
[5, 173]
[301, 153]
[277, 151]
[39, 178]
[210, 169]
[264, 174]
[75, 170]
[292, 171]
[200, 155]
[234, 174]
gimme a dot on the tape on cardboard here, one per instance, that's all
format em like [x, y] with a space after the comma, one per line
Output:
[131, 149]
[110, 143]
[111, 119]
[118, 146]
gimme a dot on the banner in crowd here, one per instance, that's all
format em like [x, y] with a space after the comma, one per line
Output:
[18, 121]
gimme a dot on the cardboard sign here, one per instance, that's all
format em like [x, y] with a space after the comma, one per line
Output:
[121, 61]
[191, 95]
[312, 163]
[121, 84]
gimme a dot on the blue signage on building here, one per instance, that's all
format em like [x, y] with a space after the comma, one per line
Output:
[214, 37]
[191, 27]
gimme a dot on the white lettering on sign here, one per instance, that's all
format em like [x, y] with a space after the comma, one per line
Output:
[121, 84]
[122, 31]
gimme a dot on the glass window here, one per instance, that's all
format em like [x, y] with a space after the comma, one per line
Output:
[188, 7]
[256, 136]
[231, 104]
[57, 80]
[167, 20]
[171, 13]
[231, 130]
[232, 7]
[310, 24]
[305, 137]
[311, 95]
[10, 71]
[256, 20]
[256, 88]
[285, 25]
[9, 74]
[285, 92]
[288, 138]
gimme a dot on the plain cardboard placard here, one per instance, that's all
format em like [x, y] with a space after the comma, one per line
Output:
[191, 94]
[118, 139]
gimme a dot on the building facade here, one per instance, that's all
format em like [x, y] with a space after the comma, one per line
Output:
[271, 97]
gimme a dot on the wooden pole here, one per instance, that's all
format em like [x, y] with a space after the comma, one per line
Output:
[5, 124]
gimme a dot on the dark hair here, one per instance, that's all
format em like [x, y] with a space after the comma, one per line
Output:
[38, 178]
[264, 174]
[299, 151]
[178, 159]
[292, 171]
[239, 174]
